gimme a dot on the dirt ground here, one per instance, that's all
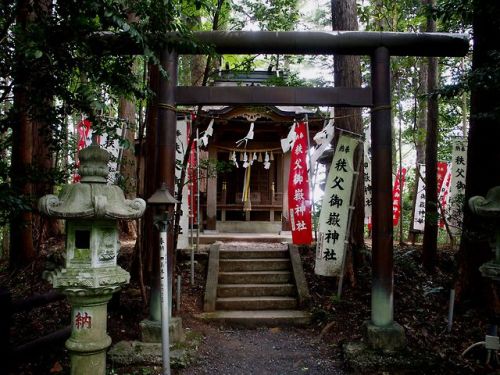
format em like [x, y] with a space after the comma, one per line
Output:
[421, 306]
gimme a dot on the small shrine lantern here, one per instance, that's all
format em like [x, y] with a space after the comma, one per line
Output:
[91, 209]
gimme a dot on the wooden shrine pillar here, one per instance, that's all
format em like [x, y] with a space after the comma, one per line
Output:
[212, 192]
[285, 171]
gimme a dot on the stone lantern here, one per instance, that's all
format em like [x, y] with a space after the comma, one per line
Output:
[489, 208]
[91, 276]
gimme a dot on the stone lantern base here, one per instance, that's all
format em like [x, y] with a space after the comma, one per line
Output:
[89, 339]
[151, 331]
[387, 338]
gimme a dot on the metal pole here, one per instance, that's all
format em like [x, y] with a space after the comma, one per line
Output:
[197, 192]
[192, 219]
[164, 295]
[382, 250]
[178, 295]
[450, 310]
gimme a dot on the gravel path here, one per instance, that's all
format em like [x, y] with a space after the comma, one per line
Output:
[262, 351]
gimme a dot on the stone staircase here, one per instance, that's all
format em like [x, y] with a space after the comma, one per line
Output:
[255, 287]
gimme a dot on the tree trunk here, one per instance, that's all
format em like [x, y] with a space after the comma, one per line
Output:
[429, 252]
[347, 73]
[421, 129]
[22, 251]
[148, 242]
[43, 163]
[483, 156]
[128, 163]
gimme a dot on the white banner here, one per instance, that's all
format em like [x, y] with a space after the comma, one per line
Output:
[419, 209]
[457, 189]
[183, 239]
[332, 231]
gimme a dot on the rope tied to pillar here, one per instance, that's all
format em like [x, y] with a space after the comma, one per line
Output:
[381, 108]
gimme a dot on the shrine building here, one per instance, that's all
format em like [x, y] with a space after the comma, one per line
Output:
[250, 195]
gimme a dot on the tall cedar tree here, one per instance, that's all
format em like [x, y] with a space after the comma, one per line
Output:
[22, 250]
[347, 73]
[429, 251]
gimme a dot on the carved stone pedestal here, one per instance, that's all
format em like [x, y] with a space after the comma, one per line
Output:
[89, 339]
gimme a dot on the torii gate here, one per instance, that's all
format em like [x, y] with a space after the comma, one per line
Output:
[383, 331]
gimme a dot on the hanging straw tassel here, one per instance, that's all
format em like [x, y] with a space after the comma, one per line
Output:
[259, 159]
[247, 204]
[272, 157]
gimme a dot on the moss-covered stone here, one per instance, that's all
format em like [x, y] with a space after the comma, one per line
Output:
[361, 359]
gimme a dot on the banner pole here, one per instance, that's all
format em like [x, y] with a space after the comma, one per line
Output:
[349, 220]
[310, 176]
[197, 192]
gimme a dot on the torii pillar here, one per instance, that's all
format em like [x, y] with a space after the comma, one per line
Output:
[382, 332]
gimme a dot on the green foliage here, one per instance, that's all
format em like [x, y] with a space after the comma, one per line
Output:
[272, 15]
[47, 53]
[290, 79]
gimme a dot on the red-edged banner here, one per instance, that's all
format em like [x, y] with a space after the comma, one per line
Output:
[299, 200]
[84, 134]
[443, 192]
[396, 196]
[442, 170]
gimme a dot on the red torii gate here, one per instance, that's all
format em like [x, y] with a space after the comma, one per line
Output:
[383, 331]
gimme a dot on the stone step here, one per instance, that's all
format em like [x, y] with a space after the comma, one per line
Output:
[256, 277]
[255, 290]
[257, 318]
[256, 303]
[258, 264]
[252, 254]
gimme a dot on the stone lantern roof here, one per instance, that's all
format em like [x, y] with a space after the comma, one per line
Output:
[93, 197]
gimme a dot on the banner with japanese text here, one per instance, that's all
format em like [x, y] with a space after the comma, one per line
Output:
[419, 208]
[192, 173]
[181, 142]
[299, 195]
[397, 192]
[457, 184]
[85, 131]
[443, 195]
[368, 183]
[334, 217]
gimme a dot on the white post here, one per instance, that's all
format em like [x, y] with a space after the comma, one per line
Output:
[164, 295]
[178, 294]
[197, 193]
